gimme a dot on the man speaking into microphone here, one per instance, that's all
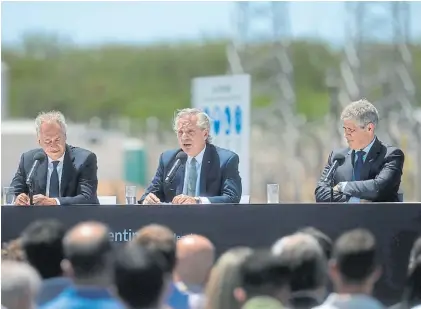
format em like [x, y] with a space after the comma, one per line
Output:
[198, 172]
[56, 174]
[367, 171]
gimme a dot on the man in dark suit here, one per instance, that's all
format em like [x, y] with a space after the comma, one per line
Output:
[68, 175]
[210, 174]
[372, 170]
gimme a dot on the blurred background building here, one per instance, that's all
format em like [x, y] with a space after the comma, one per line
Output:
[118, 71]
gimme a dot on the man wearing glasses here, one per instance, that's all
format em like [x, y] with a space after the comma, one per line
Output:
[66, 175]
[198, 172]
[371, 171]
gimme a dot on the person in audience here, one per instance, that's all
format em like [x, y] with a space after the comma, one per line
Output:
[354, 270]
[139, 276]
[308, 266]
[264, 279]
[372, 170]
[195, 258]
[66, 176]
[209, 174]
[13, 251]
[89, 258]
[20, 284]
[161, 239]
[225, 278]
[412, 292]
[324, 241]
[43, 247]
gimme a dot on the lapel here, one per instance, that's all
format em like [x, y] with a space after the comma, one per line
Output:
[204, 171]
[348, 166]
[371, 157]
[41, 176]
[66, 175]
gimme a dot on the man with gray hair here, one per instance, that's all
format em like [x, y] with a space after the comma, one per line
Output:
[308, 265]
[369, 170]
[20, 284]
[66, 175]
[198, 172]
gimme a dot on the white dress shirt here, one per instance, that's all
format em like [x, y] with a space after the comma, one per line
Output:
[50, 171]
[199, 159]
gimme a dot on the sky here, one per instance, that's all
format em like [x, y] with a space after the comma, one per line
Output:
[88, 23]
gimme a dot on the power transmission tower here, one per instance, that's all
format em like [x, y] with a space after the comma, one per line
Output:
[377, 65]
[377, 61]
[260, 48]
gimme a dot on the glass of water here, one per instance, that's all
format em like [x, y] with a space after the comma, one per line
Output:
[9, 195]
[273, 193]
[130, 195]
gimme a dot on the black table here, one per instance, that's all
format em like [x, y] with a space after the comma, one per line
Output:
[395, 226]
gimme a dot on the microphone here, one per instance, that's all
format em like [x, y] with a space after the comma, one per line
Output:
[39, 157]
[180, 158]
[338, 160]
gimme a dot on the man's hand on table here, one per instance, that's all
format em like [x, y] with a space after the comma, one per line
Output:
[184, 199]
[151, 199]
[22, 200]
[42, 200]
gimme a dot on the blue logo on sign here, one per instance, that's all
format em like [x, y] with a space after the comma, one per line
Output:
[228, 117]
[207, 111]
[217, 121]
[238, 119]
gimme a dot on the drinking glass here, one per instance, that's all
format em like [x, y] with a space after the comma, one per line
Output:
[273, 193]
[130, 195]
[9, 195]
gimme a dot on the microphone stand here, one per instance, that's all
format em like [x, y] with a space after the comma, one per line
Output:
[332, 183]
[31, 193]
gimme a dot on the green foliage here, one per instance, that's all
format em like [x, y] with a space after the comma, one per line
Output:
[142, 81]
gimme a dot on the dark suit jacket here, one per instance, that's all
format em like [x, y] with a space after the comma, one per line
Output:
[220, 180]
[381, 175]
[79, 180]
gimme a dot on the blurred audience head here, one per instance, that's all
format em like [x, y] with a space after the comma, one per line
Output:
[354, 267]
[225, 278]
[192, 127]
[324, 241]
[20, 283]
[158, 238]
[51, 133]
[13, 251]
[89, 254]
[360, 119]
[139, 277]
[263, 274]
[195, 258]
[308, 265]
[412, 290]
[42, 242]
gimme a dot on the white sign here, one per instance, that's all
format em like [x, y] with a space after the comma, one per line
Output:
[226, 99]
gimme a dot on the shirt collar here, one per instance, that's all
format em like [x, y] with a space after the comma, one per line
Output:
[50, 161]
[367, 149]
[199, 157]
[89, 292]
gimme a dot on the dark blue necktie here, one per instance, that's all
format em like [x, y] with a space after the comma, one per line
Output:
[358, 165]
[54, 183]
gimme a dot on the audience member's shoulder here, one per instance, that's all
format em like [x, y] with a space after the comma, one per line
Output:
[225, 153]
